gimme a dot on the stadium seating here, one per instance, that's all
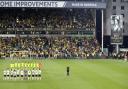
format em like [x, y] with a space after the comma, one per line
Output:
[46, 18]
[49, 47]
[43, 46]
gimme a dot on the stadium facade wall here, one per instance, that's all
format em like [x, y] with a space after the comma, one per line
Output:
[115, 7]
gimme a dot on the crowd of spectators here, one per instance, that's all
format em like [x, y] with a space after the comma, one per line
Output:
[47, 18]
[49, 47]
[120, 55]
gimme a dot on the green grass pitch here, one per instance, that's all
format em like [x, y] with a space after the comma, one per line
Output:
[85, 74]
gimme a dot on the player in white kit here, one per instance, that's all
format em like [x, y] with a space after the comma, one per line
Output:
[33, 74]
[14, 74]
[29, 74]
[11, 74]
[18, 74]
[5, 74]
[8, 73]
[21, 74]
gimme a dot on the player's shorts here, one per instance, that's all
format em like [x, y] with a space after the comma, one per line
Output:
[67, 70]
[11, 75]
[5, 75]
[25, 75]
[33, 75]
[36, 75]
[22, 75]
[39, 75]
[18, 75]
[29, 75]
[14, 76]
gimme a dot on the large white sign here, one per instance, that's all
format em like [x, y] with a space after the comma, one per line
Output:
[32, 3]
[117, 22]
[54, 4]
[116, 29]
